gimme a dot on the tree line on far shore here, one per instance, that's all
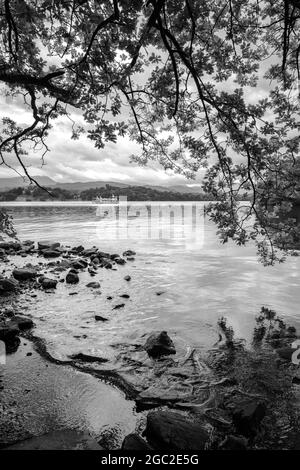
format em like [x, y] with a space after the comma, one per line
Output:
[133, 193]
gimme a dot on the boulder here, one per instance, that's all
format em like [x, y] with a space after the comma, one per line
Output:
[24, 274]
[72, 278]
[136, 443]
[247, 415]
[48, 283]
[172, 431]
[159, 344]
[8, 285]
[93, 285]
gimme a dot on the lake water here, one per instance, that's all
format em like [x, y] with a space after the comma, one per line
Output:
[177, 255]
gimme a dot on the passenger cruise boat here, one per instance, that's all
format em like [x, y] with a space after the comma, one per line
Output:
[106, 200]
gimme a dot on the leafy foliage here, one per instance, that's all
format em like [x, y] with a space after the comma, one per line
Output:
[184, 75]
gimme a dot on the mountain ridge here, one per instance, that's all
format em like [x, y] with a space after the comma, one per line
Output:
[15, 182]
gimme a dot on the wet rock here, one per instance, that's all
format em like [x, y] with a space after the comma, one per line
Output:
[247, 415]
[116, 307]
[8, 285]
[23, 323]
[93, 285]
[100, 318]
[78, 249]
[125, 296]
[88, 358]
[72, 278]
[120, 261]
[24, 274]
[135, 442]
[51, 253]
[90, 252]
[43, 245]
[159, 344]
[79, 264]
[172, 431]
[105, 263]
[129, 253]
[127, 278]
[114, 256]
[48, 283]
[67, 439]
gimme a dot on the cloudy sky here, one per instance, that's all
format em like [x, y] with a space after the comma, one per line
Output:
[78, 160]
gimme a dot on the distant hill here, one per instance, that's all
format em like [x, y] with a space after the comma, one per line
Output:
[17, 182]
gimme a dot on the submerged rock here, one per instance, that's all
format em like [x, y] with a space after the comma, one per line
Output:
[159, 344]
[24, 274]
[172, 431]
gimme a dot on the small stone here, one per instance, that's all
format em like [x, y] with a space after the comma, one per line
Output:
[72, 278]
[118, 306]
[93, 285]
[129, 253]
[127, 278]
[100, 318]
[125, 296]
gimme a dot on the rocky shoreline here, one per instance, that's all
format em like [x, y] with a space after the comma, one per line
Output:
[233, 398]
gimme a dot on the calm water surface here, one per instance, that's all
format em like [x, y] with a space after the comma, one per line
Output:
[201, 279]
